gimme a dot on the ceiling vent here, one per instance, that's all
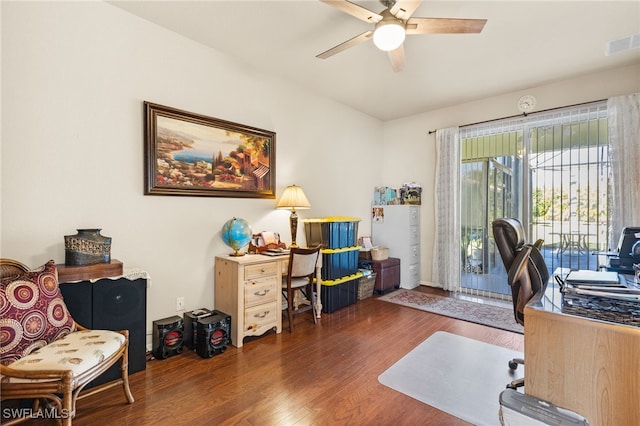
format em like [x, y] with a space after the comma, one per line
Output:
[623, 44]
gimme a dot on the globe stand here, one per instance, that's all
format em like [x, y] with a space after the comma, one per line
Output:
[237, 253]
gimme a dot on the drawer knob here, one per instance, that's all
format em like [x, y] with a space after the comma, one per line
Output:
[262, 314]
[263, 270]
[261, 293]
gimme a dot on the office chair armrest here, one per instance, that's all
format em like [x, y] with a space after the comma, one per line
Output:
[519, 265]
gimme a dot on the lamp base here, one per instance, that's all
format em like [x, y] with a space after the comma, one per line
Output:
[293, 222]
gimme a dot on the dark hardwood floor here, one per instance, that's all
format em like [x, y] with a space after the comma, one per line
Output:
[324, 374]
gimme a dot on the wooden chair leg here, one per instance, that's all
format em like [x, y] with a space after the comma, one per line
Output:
[312, 299]
[68, 406]
[124, 366]
[290, 301]
[285, 313]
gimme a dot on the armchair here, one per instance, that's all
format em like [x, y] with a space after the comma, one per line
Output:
[44, 353]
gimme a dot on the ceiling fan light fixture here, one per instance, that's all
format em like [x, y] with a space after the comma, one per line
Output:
[388, 35]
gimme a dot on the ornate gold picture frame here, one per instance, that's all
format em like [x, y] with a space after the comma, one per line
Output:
[195, 155]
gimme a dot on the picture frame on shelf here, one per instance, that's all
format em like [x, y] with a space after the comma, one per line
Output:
[190, 154]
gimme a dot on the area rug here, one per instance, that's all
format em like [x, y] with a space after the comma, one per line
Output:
[457, 375]
[479, 313]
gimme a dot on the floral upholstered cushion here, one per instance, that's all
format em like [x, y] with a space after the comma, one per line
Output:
[79, 352]
[32, 313]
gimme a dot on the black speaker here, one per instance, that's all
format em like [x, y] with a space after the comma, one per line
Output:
[78, 297]
[190, 326]
[168, 337]
[122, 305]
[213, 335]
[112, 304]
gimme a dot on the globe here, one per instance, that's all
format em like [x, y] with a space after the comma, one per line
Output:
[236, 233]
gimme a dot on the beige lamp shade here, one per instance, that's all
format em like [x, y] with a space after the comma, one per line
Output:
[293, 198]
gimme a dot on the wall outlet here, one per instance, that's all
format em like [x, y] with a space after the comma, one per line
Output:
[180, 304]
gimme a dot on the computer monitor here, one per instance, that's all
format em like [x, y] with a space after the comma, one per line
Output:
[623, 261]
[628, 237]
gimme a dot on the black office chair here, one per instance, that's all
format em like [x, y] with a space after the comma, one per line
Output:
[527, 272]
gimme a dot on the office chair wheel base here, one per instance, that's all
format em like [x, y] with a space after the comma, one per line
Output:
[513, 365]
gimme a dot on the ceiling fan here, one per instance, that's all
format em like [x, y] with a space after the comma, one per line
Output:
[393, 23]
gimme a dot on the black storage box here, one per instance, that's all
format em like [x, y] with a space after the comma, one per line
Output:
[343, 292]
[332, 232]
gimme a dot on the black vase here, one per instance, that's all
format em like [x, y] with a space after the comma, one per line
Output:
[87, 247]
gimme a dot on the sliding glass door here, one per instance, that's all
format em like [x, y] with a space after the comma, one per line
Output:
[552, 172]
[491, 172]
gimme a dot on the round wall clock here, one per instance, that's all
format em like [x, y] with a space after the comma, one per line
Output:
[527, 103]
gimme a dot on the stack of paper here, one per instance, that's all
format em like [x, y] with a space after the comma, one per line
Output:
[602, 284]
[599, 278]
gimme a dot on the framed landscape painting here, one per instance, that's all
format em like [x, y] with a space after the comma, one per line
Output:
[196, 155]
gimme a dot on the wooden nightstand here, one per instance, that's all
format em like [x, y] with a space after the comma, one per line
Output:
[249, 289]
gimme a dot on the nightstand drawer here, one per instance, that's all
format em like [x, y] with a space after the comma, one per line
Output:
[260, 318]
[260, 291]
[251, 272]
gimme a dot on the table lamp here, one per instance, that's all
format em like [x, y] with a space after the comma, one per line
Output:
[293, 198]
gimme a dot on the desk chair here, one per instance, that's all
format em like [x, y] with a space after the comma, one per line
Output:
[302, 270]
[527, 272]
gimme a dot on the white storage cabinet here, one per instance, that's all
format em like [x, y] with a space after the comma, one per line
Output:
[399, 230]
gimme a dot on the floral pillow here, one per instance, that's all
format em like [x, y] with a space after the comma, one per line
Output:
[32, 313]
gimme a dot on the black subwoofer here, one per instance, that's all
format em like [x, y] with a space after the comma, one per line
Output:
[112, 304]
[213, 335]
[122, 305]
[168, 337]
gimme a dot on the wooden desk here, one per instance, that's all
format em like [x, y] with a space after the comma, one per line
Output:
[586, 365]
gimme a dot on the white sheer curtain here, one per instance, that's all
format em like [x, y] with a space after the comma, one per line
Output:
[446, 250]
[624, 138]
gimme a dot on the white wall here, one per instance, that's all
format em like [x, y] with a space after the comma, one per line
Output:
[409, 150]
[74, 78]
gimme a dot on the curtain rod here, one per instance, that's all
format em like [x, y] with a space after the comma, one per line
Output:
[524, 114]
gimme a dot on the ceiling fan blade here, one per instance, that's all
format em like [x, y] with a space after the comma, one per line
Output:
[397, 58]
[347, 44]
[444, 25]
[354, 10]
[403, 9]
